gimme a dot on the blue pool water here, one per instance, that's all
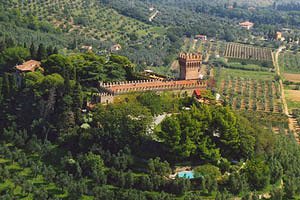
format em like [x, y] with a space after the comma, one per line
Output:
[186, 174]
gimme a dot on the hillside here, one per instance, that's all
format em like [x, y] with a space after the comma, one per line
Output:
[88, 19]
[104, 23]
[80, 23]
[82, 120]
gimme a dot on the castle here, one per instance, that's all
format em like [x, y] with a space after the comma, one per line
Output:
[190, 66]
[190, 79]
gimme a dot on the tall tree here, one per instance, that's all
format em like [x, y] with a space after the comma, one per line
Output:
[49, 51]
[41, 53]
[32, 51]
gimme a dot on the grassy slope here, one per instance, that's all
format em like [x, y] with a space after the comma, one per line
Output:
[289, 63]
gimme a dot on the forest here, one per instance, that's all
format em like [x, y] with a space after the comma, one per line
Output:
[56, 144]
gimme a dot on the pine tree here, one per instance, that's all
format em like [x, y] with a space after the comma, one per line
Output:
[41, 53]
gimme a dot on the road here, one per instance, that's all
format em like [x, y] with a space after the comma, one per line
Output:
[153, 16]
[285, 106]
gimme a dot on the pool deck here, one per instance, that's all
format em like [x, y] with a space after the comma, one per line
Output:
[179, 169]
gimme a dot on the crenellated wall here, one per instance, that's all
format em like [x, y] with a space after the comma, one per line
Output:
[111, 90]
[190, 65]
[103, 98]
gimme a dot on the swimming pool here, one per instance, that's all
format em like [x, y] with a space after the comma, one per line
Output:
[186, 174]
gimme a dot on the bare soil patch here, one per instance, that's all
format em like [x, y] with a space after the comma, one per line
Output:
[292, 77]
[293, 95]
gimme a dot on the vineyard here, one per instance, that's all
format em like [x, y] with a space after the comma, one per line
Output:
[289, 62]
[251, 94]
[240, 52]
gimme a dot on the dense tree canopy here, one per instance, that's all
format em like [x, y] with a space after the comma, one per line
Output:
[208, 133]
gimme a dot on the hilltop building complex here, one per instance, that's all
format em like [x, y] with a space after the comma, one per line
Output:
[189, 80]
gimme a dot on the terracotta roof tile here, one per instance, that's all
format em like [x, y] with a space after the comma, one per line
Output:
[30, 65]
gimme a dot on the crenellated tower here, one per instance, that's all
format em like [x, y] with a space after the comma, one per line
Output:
[190, 65]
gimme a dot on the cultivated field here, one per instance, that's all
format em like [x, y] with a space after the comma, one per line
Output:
[246, 52]
[215, 49]
[289, 62]
[252, 91]
[292, 77]
[293, 95]
[191, 45]
[293, 99]
[88, 19]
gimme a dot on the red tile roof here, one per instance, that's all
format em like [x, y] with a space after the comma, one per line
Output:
[247, 23]
[197, 92]
[30, 65]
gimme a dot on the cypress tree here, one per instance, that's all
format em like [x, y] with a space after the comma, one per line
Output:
[5, 86]
[77, 102]
[55, 50]
[67, 83]
[49, 50]
[10, 42]
[2, 45]
[32, 51]
[13, 85]
[41, 53]
[4, 107]
[77, 96]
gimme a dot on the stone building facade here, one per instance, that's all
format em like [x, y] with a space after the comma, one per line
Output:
[190, 66]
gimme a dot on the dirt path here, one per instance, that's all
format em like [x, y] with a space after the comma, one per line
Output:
[208, 53]
[153, 15]
[285, 107]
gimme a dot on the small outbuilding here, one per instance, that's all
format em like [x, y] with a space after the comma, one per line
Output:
[201, 37]
[29, 66]
[247, 25]
[116, 47]
[197, 93]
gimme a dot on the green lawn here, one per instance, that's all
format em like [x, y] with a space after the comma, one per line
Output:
[291, 104]
[225, 72]
[247, 74]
